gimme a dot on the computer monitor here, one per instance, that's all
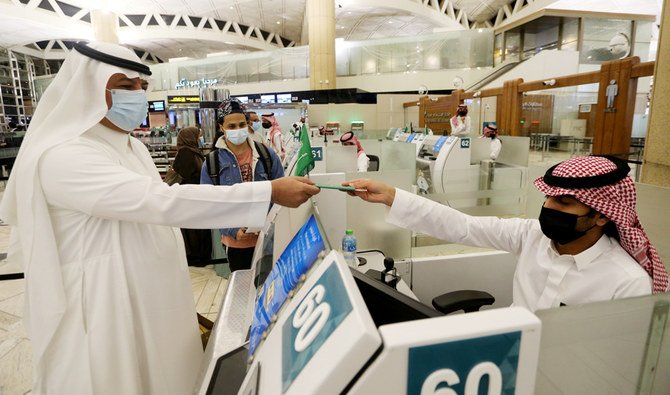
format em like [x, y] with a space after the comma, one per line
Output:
[229, 372]
[388, 306]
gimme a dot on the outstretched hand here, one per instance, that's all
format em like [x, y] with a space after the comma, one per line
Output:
[292, 191]
[375, 191]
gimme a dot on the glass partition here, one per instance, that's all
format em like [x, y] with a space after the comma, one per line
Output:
[398, 156]
[605, 39]
[620, 346]
[368, 219]
[446, 50]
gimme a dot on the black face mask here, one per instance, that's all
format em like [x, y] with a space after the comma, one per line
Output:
[559, 226]
[266, 125]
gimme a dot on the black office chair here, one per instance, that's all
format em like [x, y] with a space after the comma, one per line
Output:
[466, 300]
[374, 163]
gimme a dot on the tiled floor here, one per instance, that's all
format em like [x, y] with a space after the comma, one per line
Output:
[15, 358]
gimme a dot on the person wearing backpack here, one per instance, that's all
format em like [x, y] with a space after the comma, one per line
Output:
[236, 159]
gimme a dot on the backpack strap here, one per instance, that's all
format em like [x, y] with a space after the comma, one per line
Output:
[213, 166]
[266, 160]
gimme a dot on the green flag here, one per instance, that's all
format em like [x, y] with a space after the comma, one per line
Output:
[305, 162]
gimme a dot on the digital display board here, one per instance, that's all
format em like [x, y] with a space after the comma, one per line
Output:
[268, 99]
[156, 106]
[284, 98]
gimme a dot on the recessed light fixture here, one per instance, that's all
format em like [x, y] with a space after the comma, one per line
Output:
[279, 22]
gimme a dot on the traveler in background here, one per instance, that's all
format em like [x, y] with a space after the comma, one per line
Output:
[255, 127]
[491, 132]
[187, 163]
[362, 160]
[238, 159]
[460, 123]
[275, 136]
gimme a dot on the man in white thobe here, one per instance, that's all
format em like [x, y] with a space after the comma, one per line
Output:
[109, 306]
[587, 245]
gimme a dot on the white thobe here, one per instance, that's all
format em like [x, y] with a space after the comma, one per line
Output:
[462, 127]
[130, 323]
[496, 146]
[543, 278]
[362, 162]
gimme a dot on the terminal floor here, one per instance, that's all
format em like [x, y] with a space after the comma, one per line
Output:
[208, 289]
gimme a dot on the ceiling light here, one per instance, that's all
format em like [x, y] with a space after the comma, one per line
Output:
[390, 21]
[279, 22]
[231, 7]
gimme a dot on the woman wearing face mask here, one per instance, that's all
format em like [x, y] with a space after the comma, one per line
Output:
[460, 123]
[588, 244]
[240, 159]
[275, 136]
[187, 163]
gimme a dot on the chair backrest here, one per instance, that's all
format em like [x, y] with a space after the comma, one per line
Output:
[374, 163]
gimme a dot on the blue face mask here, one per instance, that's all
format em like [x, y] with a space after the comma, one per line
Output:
[237, 136]
[129, 108]
[256, 126]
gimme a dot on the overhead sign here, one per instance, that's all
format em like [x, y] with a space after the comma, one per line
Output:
[184, 83]
[184, 99]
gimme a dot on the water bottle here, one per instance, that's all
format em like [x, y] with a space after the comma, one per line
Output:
[349, 248]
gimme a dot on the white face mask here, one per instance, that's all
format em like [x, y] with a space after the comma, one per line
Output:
[129, 108]
[237, 136]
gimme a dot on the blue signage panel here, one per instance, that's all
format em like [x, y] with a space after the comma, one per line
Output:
[299, 255]
[438, 145]
[317, 316]
[484, 365]
[317, 153]
[410, 138]
[465, 142]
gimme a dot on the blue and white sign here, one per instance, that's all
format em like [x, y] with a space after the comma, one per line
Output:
[438, 145]
[465, 142]
[410, 138]
[483, 365]
[317, 316]
[298, 257]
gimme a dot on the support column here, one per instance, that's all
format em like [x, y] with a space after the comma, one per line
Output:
[105, 26]
[321, 14]
[656, 167]
[611, 134]
[509, 105]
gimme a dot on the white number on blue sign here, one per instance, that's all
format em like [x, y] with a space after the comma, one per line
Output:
[310, 317]
[475, 375]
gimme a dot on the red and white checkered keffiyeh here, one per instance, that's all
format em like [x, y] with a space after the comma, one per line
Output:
[617, 202]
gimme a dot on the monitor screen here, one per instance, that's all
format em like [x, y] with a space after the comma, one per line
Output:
[243, 99]
[386, 305]
[156, 106]
[298, 257]
[229, 372]
[268, 99]
[284, 98]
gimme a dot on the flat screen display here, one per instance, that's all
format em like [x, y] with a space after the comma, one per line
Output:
[229, 372]
[243, 99]
[284, 98]
[156, 106]
[268, 99]
[298, 257]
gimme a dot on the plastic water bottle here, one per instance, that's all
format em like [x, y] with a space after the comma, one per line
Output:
[349, 248]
